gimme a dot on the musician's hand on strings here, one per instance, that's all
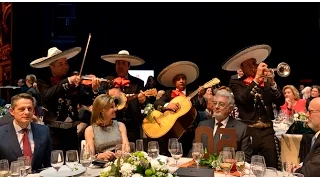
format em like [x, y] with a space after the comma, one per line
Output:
[141, 97]
[173, 106]
[201, 91]
[75, 80]
[95, 83]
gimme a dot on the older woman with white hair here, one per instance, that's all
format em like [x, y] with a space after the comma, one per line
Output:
[306, 92]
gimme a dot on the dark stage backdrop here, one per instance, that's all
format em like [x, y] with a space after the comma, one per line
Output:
[162, 33]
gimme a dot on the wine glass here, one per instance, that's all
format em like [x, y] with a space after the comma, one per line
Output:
[171, 140]
[86, 158]
[240, 162]
[258, 165]
[118, 150]
[57, 159]
[132, 147]
[15, 168]
[27, 163]
[153, 149]
[197, 152]
[176, 151]
[139, 145]
[72, 159]
[4, 168]
[224, 162]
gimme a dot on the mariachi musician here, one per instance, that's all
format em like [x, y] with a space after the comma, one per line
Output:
[178, 75]
[130, 115]
[254, 94]
[61, 95]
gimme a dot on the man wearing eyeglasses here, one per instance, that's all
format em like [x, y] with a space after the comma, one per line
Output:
[311, 164]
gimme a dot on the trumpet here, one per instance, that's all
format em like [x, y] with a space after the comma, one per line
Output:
[283, 70]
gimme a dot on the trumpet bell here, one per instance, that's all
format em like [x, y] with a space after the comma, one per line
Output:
[283, 69]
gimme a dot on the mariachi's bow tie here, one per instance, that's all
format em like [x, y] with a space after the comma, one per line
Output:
[176, 93]
[248, 80]
[55, 80]
[121, 82]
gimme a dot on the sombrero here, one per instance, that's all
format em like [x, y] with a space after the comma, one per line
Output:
[125, 56]
[189, 69]
[53, 55]
[258, 52]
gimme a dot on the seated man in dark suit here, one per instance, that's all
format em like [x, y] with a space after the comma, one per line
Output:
[223, 103]
[23, 137]
[311, 164]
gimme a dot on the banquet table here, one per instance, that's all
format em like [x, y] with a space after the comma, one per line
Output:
[94, 171]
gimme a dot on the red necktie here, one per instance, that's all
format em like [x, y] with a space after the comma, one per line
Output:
[26, 144]
[176, 93]
[121, 82]
[248, 80]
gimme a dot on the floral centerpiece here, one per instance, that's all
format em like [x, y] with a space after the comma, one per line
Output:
[137, 164]
[212, 161]
[300, 116]
[147, 112]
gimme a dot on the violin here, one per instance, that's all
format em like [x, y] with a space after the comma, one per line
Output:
[87, 80]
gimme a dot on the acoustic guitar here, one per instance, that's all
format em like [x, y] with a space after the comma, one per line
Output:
[174, 124]
[124, 98]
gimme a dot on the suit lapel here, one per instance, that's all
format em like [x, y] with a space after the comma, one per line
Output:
[13, 140]
[37, 140]
[312, 150]
[230, 124]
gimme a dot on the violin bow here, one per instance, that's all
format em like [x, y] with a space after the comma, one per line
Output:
[85, 53]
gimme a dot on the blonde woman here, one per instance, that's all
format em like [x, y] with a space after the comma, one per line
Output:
[293, 103]
[104, 133]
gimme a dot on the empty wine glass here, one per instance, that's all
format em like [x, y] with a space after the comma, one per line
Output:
[139, 145]
[171, 140]
[197, 152]
[240, 162]
[258, 165]
[57, 159]
[118, 150]
[72, 159]
[224, 162]
[15, 168]
[86, 158]
[176, 151]
[4, 168]
[153, 149]
[132, 147]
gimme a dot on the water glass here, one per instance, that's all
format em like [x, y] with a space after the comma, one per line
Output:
[86, 158]
[197, 152]
[139, 145]
[27, 163]
[4, 168]
[153, 149]
[72, 159]
[15, 169]
[57, 159]
[132, 147]
[171, 140]
[176, 151]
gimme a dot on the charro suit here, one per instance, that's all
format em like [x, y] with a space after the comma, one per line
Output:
[186, 138]
[10, 148]
[243, 138]
[254, 104]
[311, 163]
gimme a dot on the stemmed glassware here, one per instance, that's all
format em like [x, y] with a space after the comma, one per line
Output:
[197, 152]
[153, 149]
[72, 159]
[240, 162]
[226, 161]
[86, 158]
[176, 151]
[57, 159]
[258, 166]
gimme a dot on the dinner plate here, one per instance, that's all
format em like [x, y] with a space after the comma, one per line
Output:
[64, 171]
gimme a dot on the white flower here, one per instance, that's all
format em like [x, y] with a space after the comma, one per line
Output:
[170, 175]
[296, 115]
[127, 169]
[136, 175]
[107, 169]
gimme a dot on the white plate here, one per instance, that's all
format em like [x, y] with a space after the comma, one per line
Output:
[64, 171]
